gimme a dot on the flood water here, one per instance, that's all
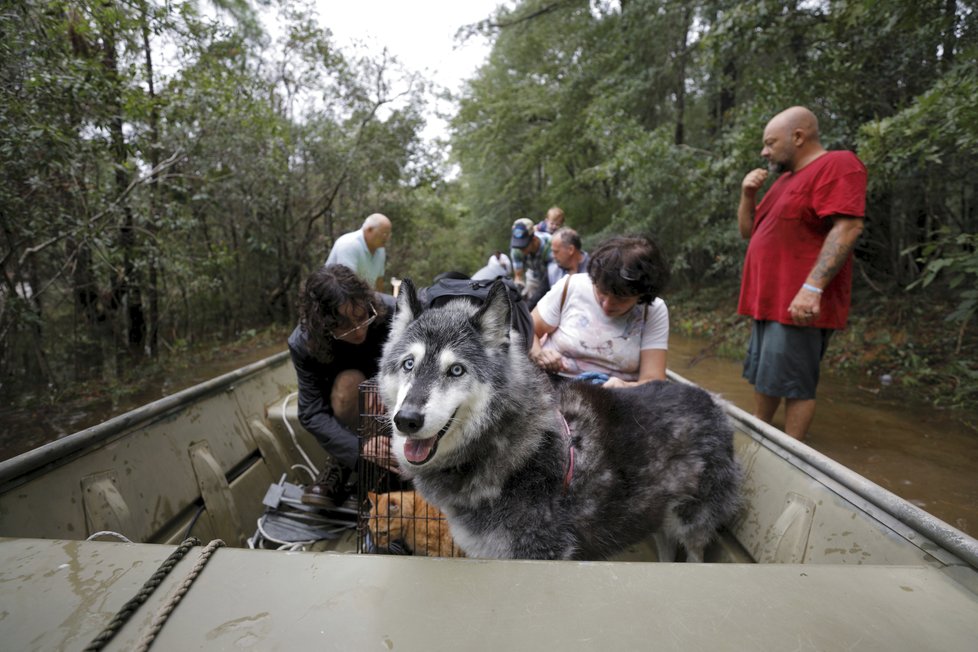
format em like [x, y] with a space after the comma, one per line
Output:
[927, 456]
[23, 429]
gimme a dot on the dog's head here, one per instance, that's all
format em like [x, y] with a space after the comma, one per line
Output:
[437, 373]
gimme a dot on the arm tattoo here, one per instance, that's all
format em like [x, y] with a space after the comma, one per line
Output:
[833, 256]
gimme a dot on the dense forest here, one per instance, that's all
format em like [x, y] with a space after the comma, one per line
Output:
[172, 170]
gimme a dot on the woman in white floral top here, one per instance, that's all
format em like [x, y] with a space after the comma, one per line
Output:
[607, 326]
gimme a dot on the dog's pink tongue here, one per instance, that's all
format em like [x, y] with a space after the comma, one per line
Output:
[418, 450]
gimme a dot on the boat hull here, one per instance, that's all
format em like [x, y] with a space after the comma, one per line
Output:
[820, 557]
[266, 600]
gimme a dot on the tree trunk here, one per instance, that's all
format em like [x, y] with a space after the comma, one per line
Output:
[152, 290]
[87, 349]
[950, 41]
[126, 285]
[687, 18]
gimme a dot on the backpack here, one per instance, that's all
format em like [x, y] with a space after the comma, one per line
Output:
[442, 290]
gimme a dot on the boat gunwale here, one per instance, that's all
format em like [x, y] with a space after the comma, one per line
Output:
[14, 470]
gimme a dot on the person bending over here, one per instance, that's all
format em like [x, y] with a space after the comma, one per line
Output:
[343, 325]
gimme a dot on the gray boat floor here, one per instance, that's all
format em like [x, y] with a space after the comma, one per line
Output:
[57, 595]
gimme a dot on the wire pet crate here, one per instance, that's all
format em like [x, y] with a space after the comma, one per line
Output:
[392, 518]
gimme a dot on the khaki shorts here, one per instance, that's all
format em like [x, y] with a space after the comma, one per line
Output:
[783, 360]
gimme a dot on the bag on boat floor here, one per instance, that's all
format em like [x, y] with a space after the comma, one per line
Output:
[289, 523]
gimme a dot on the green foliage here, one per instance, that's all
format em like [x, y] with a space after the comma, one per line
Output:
[921, 163]
[936, 135]
[156, 195]
[955, 259]
[529, 93]
[150, 204]
[645, 115]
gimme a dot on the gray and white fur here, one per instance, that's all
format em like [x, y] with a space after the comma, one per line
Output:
[478, 427]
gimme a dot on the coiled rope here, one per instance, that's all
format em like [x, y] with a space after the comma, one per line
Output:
[128, 609]
[167, 607]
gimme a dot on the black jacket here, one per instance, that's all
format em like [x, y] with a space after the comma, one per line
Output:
[316, 383]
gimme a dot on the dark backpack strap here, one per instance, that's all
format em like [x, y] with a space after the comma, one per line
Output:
[476, 291]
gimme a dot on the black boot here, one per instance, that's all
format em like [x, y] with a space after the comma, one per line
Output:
[330, 489]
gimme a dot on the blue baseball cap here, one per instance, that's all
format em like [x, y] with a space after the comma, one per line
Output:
[522, 233]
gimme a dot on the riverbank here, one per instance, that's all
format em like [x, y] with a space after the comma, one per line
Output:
[900, 343]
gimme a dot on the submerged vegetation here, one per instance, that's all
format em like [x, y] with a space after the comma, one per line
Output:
[170, 173]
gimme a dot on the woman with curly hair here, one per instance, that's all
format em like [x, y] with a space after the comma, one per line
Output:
[607, 326]
[342, 327]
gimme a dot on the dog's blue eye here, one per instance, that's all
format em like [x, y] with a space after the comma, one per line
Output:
[456, 370]
[408, 364]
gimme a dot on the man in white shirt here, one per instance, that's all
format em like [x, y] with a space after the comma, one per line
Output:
[363, 251]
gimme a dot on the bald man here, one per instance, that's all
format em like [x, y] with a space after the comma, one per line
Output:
[363, 251]
[797, 275]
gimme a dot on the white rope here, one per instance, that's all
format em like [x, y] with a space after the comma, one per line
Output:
[302, 467]
[295, 440]
[149, 635]
[281, 542]
[261, 535]
[108, 533]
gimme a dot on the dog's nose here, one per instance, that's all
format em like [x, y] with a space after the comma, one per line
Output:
[408, 421]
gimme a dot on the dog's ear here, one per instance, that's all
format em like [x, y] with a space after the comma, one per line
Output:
[408, 309]
[493, 318]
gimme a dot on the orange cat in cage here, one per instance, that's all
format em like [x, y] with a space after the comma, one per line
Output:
[405, 516]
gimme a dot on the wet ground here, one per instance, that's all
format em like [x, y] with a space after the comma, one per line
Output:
[927, 456]
[924, 455]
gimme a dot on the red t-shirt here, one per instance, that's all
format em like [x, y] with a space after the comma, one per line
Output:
[790, 225]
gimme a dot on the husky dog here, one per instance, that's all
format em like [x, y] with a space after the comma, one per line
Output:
[523, 469]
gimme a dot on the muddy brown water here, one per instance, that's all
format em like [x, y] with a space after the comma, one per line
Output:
[23, 429]
[927, 456]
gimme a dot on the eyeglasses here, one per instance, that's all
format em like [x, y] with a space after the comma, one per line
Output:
[366, 322]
